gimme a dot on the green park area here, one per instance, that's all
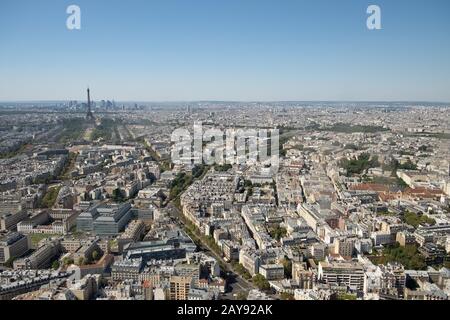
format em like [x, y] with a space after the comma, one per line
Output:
[408, 256]
[50, 196]
[358, 165]
[37, 237]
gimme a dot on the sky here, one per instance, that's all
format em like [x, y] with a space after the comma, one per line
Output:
[247, 50]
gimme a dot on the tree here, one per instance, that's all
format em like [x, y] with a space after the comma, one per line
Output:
[242, 295]
[351, 146]
[346, 296]
[55, 265]
[415, 220]
[287, 265]
[360, 164]
[50, 197]
[240, 269]
[10, 262]
[447, 264]
[95, 255]
[68, 261]
[222, 168]
[261, 282]
[179, 184]
[117, 195]
[278, 232]
[287, 296]
[407, 256]
[408, 165]
[81, 261]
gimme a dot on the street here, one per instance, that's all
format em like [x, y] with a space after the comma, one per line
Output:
[235, 283]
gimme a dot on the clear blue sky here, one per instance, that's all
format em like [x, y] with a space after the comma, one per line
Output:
[159, 50]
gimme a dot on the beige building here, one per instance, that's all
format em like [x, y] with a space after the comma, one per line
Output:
[303, 277]
[10, 220]
[404, 238]
[85, 288]
[41, 258]
[272, 271]
[13, 245]
[345, 247]
[350, 274]
[179, 287]
[250, 261]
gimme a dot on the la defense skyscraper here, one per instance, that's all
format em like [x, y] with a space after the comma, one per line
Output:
[89, 115]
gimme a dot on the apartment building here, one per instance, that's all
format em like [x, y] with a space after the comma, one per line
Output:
[13, 245]
[41, 258]
[350, 274]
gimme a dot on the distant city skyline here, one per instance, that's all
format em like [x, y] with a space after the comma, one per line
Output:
[264, 51]
[362, 102]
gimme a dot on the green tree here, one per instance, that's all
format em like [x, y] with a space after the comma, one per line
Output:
[351, 146]
[179, 184]
[95, 255]
[242, 295]
[261, 282]
[278, 232]
[415, 220]
[10, 262]
[287, 296]
[222, 168]
[117, 195]
[81, 261]
[240, 269]
[248, 183]
[287, 265]
[407, 256]
[346, 296]
[198, 170]
[360, 164]
[50, 197]
[408, 165]
[55, 265]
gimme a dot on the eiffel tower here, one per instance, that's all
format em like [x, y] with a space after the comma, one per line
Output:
[89, 115]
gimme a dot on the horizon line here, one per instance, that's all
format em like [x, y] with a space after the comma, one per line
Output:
[230, 101]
